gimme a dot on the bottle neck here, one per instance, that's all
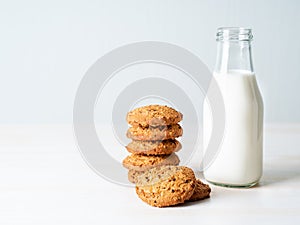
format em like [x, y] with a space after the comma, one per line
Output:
[234, 51]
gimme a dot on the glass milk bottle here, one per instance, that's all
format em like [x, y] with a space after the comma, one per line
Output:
[239, 159]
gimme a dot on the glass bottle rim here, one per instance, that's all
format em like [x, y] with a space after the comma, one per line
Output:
[234, 34]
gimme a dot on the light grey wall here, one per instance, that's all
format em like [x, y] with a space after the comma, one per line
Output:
[47, 46]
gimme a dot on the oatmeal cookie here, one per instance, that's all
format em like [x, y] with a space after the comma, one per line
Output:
[143, 162]
[164, 147]
[166, 185]
[201, 191]
[153, 115]
[154, 133]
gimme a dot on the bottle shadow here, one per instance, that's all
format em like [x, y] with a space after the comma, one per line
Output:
[276, 170]
[280, 170]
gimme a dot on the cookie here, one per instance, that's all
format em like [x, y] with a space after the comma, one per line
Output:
[143, 162]
[164, 147]
[166, 186]
[154, 133]
[201, 191]
[153, 115]
[133, 175]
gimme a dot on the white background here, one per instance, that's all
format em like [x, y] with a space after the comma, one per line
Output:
[47, 46]
[45, 49]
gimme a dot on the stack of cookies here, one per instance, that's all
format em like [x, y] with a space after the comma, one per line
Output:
[154, 131]
[153, 165]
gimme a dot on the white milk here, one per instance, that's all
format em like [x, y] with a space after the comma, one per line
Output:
[239, 161]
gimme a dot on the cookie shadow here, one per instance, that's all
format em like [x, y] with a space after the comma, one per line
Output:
[190, 203]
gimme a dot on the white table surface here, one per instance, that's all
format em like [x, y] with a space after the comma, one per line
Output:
[44, 180]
